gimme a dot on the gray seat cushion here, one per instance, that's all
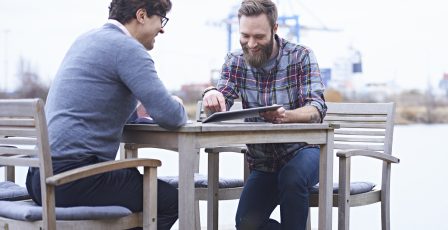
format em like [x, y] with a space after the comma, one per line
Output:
[200, 181]
[355, 188]
[11, 191]
[30, 211]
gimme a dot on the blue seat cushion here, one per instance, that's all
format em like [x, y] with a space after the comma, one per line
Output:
[355, 187]
[30, 211]
[11, 191]
[200, 181]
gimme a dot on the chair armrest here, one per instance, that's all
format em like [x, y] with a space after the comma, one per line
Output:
[367, 153]
[90, 170]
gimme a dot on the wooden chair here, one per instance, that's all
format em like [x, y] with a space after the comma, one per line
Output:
[366, 129]
[226, 190]
[23, 121]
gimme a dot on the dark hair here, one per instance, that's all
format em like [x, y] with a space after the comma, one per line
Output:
[257, 7]
[124, 10]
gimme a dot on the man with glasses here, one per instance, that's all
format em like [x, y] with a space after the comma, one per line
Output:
[103, 75]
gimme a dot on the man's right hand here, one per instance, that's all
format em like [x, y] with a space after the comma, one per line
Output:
[214, 101]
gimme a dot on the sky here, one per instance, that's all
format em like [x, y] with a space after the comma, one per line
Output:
[400, 41]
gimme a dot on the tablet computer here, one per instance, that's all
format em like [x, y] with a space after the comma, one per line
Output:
[239, 114]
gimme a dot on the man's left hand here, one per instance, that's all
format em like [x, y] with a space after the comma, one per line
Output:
[278, 116]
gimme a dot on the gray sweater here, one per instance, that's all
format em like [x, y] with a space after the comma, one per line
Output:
[96, 90]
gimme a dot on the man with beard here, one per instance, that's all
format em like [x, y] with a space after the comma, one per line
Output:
[270, 70]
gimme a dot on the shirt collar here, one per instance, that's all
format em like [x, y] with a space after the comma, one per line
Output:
[119, 25]
[279, 42]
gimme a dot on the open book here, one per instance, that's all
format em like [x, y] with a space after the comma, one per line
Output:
[239, 114]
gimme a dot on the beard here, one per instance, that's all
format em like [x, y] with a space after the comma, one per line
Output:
[261, 57]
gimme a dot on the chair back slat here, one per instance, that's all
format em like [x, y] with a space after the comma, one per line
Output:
[359, 139]
[358, 146]
[14, 122]
[17, 131]
[354, 124]
[359, 132]
[358, 108]
[16, 160]
[17, 141]
[18, 151]
[17, 108]
[380, 118]
[364, 126]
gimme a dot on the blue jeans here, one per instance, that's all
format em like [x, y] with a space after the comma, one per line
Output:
[288, 187]
[122, 187]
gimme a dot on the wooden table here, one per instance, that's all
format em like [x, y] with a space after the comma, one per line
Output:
[190, 138]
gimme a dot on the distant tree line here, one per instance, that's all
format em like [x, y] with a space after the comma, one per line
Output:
[30, 83]
[412, 106]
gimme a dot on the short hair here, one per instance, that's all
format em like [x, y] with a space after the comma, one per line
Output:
[124, 10]
[257, 7]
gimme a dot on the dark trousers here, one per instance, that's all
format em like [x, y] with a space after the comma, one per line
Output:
[289, 188]
[120, 187]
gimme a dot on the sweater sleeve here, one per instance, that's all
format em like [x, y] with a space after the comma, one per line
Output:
[136, 70]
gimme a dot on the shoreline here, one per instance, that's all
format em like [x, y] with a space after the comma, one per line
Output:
[421, 115]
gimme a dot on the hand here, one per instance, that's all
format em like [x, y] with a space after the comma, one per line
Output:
[214, 101]
[278, 116]
[141, 111]
[176, 98]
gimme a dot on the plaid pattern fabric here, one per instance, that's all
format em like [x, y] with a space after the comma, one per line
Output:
[292, 80]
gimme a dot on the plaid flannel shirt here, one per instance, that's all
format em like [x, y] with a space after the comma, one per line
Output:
[292, 80]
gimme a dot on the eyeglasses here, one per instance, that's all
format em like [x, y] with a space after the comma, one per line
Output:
[163, 19]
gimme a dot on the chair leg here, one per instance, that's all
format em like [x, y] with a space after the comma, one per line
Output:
[122, 151]
[10, 173]
[308, 220]
[385, 197]
[213, 191]
[385, 215]
[344, 194]
[197, 215]
[246, 168]
[128, 151]
[150, 198]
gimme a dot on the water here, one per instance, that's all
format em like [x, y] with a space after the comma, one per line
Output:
[418, 199]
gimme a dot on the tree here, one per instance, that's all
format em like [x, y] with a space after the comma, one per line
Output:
[31, 85]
